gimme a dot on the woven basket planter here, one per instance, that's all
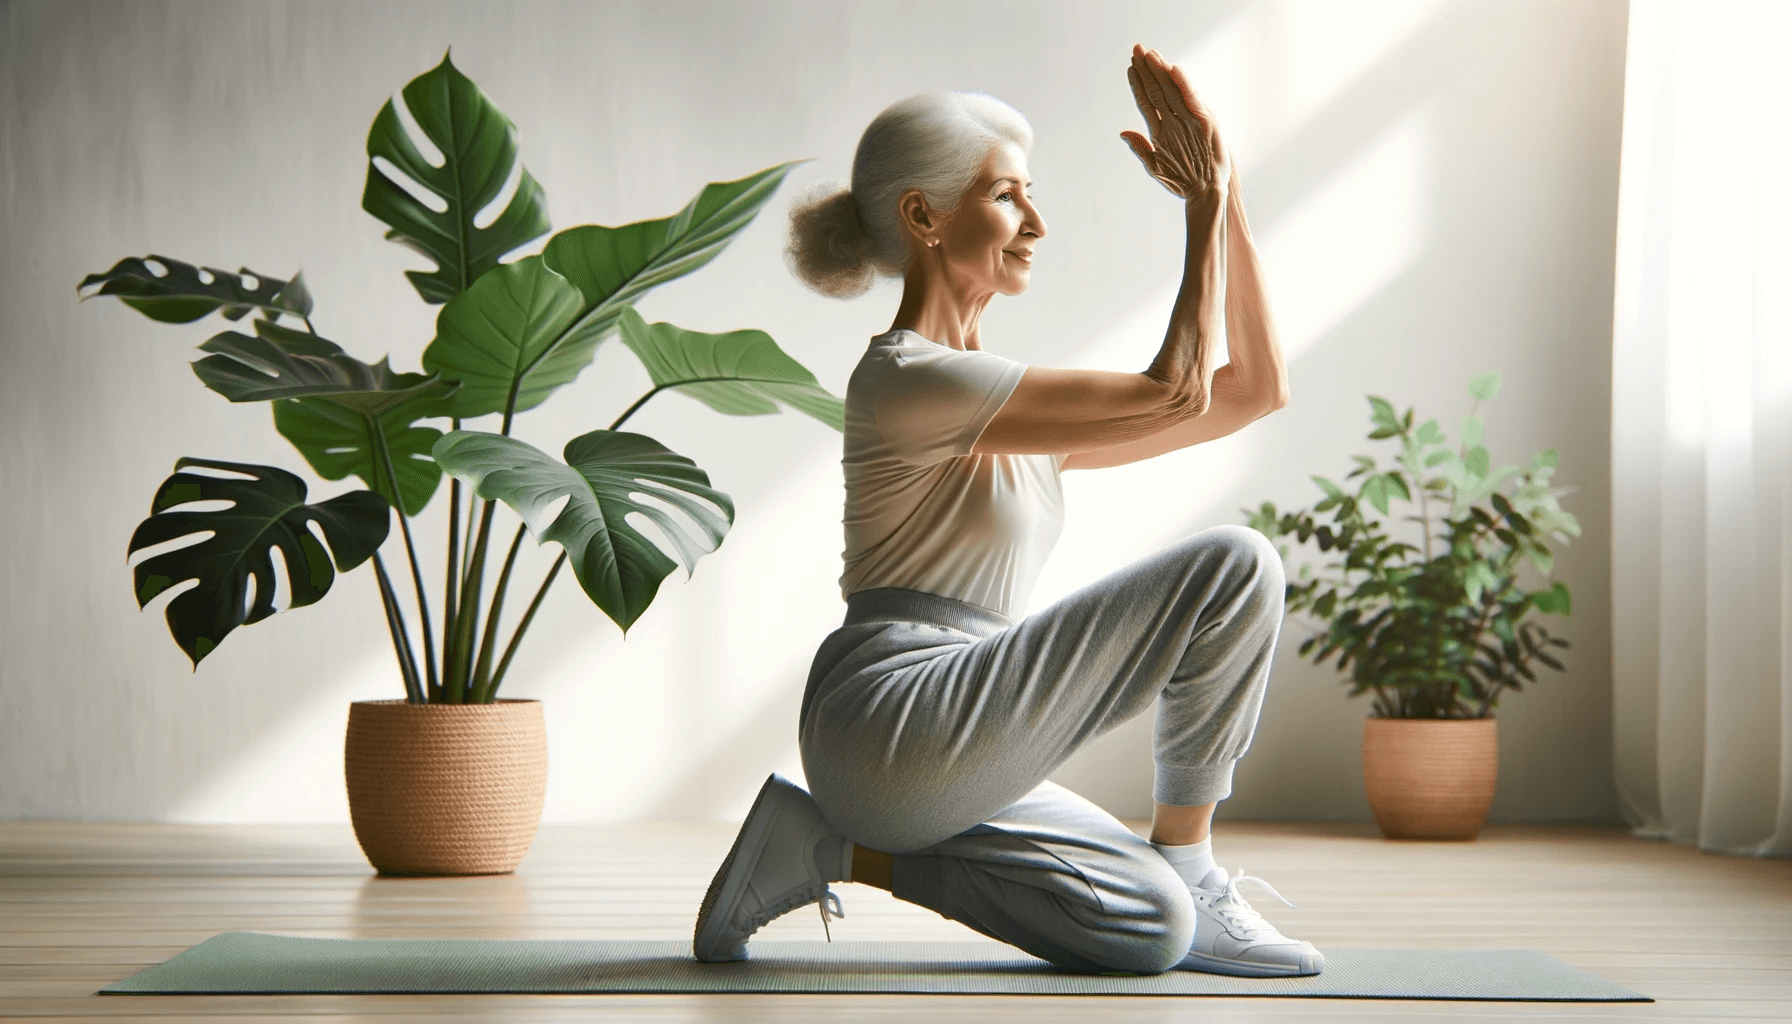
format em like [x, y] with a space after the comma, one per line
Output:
[445, 789]
[1430, 778]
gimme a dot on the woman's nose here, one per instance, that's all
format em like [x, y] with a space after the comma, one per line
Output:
[1034, 224]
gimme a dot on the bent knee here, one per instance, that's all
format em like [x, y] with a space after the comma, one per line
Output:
[1152, 945]
[1247, 552]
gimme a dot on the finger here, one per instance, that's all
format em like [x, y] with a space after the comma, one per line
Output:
[1172, 90]
[1141, 147]
[1146, 110]
[1186, 92]
[1154, 91]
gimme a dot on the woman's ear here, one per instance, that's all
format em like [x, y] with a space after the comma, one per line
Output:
[920, 221]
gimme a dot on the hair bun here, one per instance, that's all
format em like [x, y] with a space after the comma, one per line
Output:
[829, 246]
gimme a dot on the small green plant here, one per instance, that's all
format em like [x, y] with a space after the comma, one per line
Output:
[508, 336]
[1438, 630]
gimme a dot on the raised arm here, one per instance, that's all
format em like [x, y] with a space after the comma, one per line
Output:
[1053, 411]
[1251, 385]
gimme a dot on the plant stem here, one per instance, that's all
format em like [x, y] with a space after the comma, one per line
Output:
[401, 637]
[631, 410]
[521, 627]
[472, 588]
[466, 550]
[451, 580]
[482, 668]
[639, 402]
[378, 434]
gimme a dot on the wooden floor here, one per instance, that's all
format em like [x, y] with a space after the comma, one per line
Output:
[82, 905]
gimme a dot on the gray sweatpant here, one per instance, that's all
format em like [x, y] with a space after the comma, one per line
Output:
[929, 726]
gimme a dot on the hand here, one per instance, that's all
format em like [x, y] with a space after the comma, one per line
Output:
[1184, 151]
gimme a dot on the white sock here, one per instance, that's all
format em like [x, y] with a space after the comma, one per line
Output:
[833, 856]
[1193, 862]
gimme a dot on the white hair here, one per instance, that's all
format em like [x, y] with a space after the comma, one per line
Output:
[935, 143]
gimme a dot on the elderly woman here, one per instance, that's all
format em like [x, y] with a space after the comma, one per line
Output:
[932, 716]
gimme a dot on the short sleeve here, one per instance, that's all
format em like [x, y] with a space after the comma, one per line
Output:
[931, 406]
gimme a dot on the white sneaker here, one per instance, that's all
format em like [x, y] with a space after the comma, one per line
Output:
[770, 871]
[1231, 938]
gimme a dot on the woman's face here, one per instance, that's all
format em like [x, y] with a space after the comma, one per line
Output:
[987, 243]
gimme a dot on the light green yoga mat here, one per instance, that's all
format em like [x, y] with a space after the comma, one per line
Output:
[241, 962]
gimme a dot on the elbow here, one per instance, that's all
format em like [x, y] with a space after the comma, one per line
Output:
[1277, 400]
[1195, 402]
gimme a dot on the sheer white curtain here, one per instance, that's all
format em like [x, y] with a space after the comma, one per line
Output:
[1702, 428]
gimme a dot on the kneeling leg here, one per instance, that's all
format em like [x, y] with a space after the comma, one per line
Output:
[1063, 880]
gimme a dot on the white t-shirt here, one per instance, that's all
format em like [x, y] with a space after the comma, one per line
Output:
[922, 512]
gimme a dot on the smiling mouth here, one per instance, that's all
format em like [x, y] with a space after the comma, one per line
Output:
[1024, 257]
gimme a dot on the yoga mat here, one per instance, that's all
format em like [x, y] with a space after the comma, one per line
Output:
[241, 962]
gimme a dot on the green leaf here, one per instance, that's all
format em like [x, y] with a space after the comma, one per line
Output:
[268, 512]
[1443, 455]
[619, 567]
[1548, 457]
[337, 441]
[612, 267]
[504, 333]
[279, 362]
[1483, 387]
[1396, 483]
[1477, 461]
[333, 407]
[1375, 492]
[741, 373]
[183, 292]
[1471, 430]
[1541, 557]
[478, 147]
[1381, 413]
[1430, 432]
[1328, 487]
[1564, 602]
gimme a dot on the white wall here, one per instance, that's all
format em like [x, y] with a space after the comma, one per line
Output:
[1433, 185]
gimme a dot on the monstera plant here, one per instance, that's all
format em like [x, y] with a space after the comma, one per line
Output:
[508, 336]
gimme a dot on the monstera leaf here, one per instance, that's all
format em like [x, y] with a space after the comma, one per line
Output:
[267, 511]
[182, 292]
[741, 373]
[337, 441]
[612, 267]
[501, 338]
[339, 412]
[604, 473]
[478, 148]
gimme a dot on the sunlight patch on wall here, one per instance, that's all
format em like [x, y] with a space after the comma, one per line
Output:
[299, 758]
[1358, 230]
[1274, 66]
[661, 736]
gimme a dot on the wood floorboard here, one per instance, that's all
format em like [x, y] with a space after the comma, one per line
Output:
[86, 904]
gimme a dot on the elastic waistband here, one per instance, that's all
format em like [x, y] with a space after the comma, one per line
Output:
[896, 604]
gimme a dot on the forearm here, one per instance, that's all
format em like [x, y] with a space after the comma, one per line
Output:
[1185, 363]
[1255, 351]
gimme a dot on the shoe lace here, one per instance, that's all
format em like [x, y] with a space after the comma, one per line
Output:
[1238, 912]
[830, 907]
[829, 904]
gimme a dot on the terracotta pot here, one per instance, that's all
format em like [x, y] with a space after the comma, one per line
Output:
[1430, 778]
[445, 789]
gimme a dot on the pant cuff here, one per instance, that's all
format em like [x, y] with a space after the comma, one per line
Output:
[916, 880]
[1192, 785]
